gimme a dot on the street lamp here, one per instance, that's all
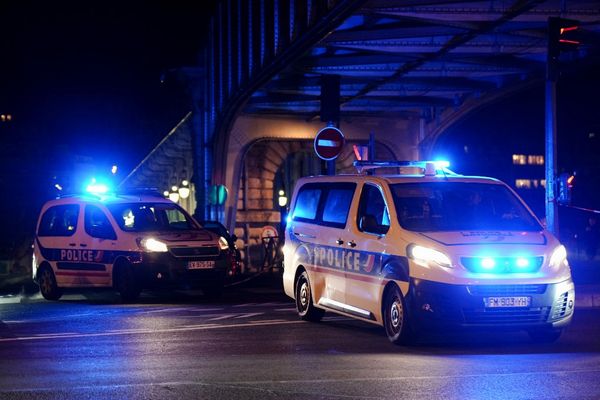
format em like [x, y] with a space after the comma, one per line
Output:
[174, 195]
[282, 199]
[184, 190]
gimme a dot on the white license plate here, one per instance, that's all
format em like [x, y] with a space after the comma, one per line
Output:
[513, 301]
[201, 264]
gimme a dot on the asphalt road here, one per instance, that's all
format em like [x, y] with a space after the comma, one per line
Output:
[250, 345]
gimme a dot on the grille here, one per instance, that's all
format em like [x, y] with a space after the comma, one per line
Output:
[194, 251]
[560, 306]
[506, 290]
[504, 265]
[507, 316]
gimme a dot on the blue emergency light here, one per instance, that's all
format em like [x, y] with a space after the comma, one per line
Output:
[502, 265]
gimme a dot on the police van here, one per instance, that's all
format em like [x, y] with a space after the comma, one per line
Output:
[424, 249]
[125, 241]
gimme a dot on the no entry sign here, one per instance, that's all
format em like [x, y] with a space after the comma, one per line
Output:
[329, 142]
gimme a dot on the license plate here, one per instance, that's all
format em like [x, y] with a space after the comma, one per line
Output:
[514, 301]
[201, 264]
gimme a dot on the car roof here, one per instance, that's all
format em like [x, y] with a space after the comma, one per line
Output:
[108, 199]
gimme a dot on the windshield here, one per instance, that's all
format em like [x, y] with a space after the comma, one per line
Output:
[456, 206]
[145, 217]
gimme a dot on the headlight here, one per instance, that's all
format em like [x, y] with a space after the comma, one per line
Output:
[425, 255]
[223, 245]
[151, 244]
[559, 256]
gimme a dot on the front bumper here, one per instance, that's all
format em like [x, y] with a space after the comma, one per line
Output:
[156, 270]
[439, 305]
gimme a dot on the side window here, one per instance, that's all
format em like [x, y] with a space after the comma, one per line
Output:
[97, 224]
[59, 221]
[337, 205]
[373, 216]
[307, 204]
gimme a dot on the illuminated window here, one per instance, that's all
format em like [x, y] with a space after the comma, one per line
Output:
[519, 159]
[530, 183]
[535, 160]
[530, 159]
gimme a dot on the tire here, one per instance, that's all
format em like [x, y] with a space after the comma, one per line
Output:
[395, 317]
[304, 303]
[47, 283]
[544, 335]
[126, 284]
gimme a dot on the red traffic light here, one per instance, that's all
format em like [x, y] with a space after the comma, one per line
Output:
[564, 31]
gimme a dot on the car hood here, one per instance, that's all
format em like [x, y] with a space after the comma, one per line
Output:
[186, 236]
[487, 237]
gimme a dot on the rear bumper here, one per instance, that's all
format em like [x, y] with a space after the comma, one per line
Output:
[436, 305]
[164, 270]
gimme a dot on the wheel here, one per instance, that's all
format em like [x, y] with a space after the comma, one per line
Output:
[395, 317]
[48, 286]
[126, 284]
[544, 335]
[304, 304]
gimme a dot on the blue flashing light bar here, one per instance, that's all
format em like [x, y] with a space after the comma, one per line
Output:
[429, 167]
[97, 188]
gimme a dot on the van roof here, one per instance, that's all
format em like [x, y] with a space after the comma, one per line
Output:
[394, 178]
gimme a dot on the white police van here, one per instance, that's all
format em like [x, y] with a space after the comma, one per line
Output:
[424, 249]
[128, 242]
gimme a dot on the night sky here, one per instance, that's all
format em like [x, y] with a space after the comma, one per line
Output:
[82, 81]
[87, 75]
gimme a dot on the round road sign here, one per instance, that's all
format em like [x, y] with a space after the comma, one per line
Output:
[329, 142]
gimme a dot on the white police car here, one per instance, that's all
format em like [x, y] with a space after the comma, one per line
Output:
[128, 242]
[418, 251]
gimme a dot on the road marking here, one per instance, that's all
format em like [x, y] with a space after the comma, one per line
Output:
[150, 331]
[248, 315]
[270, 304]
[235, 316]
[193, 309]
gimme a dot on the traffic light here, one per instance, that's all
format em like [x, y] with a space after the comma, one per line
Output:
[565, 185]
[563, 37]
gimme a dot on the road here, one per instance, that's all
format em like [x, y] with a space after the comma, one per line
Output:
[250, 345]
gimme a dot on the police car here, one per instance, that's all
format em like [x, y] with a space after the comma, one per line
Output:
[125, 241]
[424, 249]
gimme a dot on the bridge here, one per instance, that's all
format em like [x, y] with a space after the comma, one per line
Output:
[274, 72]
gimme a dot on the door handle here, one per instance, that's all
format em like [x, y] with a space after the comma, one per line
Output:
[83, 244]
[352, 243]
[299, 234]
[340, 241]
[72, 244]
